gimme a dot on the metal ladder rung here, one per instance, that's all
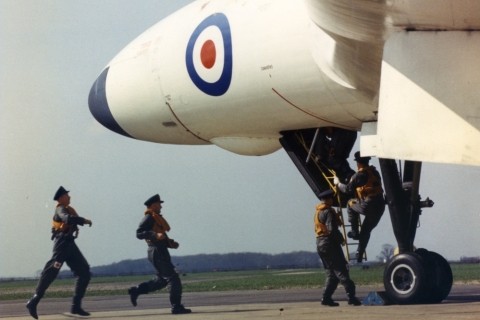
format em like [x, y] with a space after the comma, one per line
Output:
[347, 243]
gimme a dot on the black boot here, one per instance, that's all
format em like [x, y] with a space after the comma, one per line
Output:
[355, 235]
[353, 301]
[329, 302]
[32, 306]
[133, 292]
[359, 255]
[180, 309]
[352, 298]
[353, 218]
[77, 309]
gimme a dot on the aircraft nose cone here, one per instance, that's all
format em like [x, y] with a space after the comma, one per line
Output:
[98, 104]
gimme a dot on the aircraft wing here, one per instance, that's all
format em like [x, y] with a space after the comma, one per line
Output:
[369, 19]
[429, 73]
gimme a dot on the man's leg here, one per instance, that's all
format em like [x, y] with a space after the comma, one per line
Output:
[353, 207]
[155, 284]
[80, 268]
[48, 275]
[373, 211]
[331, 281]
[340, 268]
[331, 284]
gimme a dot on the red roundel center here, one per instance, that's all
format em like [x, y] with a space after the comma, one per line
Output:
[208, 54]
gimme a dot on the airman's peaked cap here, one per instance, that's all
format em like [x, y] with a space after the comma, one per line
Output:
[152, 200]
[60, 192]
[361, 159]
[326, 194]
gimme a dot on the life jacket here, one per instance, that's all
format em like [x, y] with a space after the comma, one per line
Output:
[61, 227]
[373, 186]
[321, 229]
[160, 226]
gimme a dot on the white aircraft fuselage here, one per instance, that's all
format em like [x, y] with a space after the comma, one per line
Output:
[234, 74]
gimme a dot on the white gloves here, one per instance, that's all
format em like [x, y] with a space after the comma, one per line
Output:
[336, 180]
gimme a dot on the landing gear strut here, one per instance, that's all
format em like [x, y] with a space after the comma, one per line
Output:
[412, 276]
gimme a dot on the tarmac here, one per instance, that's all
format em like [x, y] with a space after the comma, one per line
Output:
[302, 304]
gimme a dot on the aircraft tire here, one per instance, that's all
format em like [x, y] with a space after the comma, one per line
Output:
[405, 278]
[440, 276]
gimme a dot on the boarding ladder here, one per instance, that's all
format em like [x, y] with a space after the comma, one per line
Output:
[299, 145]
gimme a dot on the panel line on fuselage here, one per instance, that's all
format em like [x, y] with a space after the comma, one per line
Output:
[309, 113]
[183, 125]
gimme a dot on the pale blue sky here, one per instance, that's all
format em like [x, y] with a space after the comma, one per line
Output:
[215, 201]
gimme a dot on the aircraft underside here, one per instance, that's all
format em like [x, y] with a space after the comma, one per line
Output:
[411, 276]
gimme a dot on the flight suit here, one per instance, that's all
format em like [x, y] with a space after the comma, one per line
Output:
[342, 142]
[369, 201]
[159, 257]
[329, 248]
[332, 147]
[65, 250]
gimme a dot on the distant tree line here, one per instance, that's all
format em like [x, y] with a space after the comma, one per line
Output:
[213, 262]
[232, 262]
[229, 262]
[470, 260]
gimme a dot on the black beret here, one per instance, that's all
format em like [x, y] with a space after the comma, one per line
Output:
[153, 199]
[60, 192]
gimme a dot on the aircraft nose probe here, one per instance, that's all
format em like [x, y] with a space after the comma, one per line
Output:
[98, 104]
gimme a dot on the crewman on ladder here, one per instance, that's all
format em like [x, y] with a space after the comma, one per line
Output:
[333, 149]
[366, 184]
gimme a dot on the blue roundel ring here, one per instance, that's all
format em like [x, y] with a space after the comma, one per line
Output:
[221, 86]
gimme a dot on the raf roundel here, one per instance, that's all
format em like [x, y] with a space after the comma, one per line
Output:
[209, 55]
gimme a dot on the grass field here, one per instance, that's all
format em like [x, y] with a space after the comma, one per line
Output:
[221, 281]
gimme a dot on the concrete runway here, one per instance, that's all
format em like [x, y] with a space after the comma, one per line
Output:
[296, 304]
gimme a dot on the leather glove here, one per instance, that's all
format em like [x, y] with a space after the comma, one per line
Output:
[173, 244]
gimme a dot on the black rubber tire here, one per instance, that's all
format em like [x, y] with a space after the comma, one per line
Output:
[440, 276]
[405, 278]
